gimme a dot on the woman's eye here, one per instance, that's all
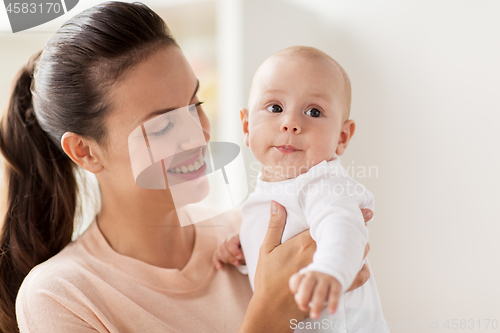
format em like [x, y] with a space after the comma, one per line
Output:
[274, 108]
[163, 131]
[195, 106]
[313, 112]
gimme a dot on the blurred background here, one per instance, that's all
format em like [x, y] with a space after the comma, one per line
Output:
[425, 79]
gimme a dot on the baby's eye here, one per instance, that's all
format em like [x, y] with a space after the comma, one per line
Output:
[274, 108]
[313, 112]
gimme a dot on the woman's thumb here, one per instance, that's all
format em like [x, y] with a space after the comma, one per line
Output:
[275, 227]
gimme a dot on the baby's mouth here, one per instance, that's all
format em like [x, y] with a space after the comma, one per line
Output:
[287, 149]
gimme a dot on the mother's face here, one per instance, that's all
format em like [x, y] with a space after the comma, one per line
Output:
[164, 81]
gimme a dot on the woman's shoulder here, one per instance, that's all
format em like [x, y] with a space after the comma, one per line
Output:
[50, 287]
[66, 271]
[64, 266]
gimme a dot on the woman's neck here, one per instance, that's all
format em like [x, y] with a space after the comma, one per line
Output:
[150, 235]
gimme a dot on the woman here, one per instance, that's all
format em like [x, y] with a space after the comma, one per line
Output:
[101, 75]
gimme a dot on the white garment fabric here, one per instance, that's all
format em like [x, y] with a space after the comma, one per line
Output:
[327, 201]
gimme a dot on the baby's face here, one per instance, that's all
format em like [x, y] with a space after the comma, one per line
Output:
[296, 116]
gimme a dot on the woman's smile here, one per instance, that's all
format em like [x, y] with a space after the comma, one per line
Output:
[190, 165]
[188, 174]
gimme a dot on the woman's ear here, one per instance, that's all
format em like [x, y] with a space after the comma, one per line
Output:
[346, 134]
[244, 124]
[82, 151]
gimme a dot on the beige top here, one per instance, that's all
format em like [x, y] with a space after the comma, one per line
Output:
[89, 287]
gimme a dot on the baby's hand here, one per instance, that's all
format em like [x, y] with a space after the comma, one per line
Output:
[229, 252]
[315, 290]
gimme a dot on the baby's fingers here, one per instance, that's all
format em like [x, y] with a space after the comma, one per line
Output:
[333, 298]
[227, 255]
[294, 282]
[234, 247]
[304, 292]
[319, 298]
[217, 259]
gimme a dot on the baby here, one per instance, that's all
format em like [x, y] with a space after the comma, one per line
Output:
[296, 125]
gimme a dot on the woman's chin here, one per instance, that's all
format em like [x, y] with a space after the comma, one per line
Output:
[189, 192]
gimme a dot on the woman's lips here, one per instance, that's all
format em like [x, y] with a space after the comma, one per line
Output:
[188, 161]
[286, 149]
[190, 175]
[184, 170]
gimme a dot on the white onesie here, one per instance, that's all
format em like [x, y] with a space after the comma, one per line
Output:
[327, 201]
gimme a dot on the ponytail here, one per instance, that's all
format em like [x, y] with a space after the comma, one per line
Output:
[41, 195]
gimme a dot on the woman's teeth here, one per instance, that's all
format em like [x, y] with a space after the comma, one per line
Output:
[190, 167]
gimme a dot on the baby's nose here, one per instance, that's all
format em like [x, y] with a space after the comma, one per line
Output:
[291, 125]
[292, 128]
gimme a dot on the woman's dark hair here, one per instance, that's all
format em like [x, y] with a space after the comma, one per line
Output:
[63, 88]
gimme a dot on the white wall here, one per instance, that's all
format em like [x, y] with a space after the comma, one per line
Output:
[426, 80]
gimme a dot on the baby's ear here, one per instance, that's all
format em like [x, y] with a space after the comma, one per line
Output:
[346, 133]
[244, 124]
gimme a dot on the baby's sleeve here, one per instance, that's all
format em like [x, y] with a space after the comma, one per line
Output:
[332, 208]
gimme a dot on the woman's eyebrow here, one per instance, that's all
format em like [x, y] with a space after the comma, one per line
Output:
[158, 112]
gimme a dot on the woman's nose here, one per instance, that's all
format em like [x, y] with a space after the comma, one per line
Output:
[194, 140]
[290, 124]
[194, 136]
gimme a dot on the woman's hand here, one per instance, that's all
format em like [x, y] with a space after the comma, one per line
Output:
[277, 262]
[315, 290]
[273, 307]
[364, 273]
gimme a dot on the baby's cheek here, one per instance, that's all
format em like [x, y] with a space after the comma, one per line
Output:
[256, 145]
[322, 152]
